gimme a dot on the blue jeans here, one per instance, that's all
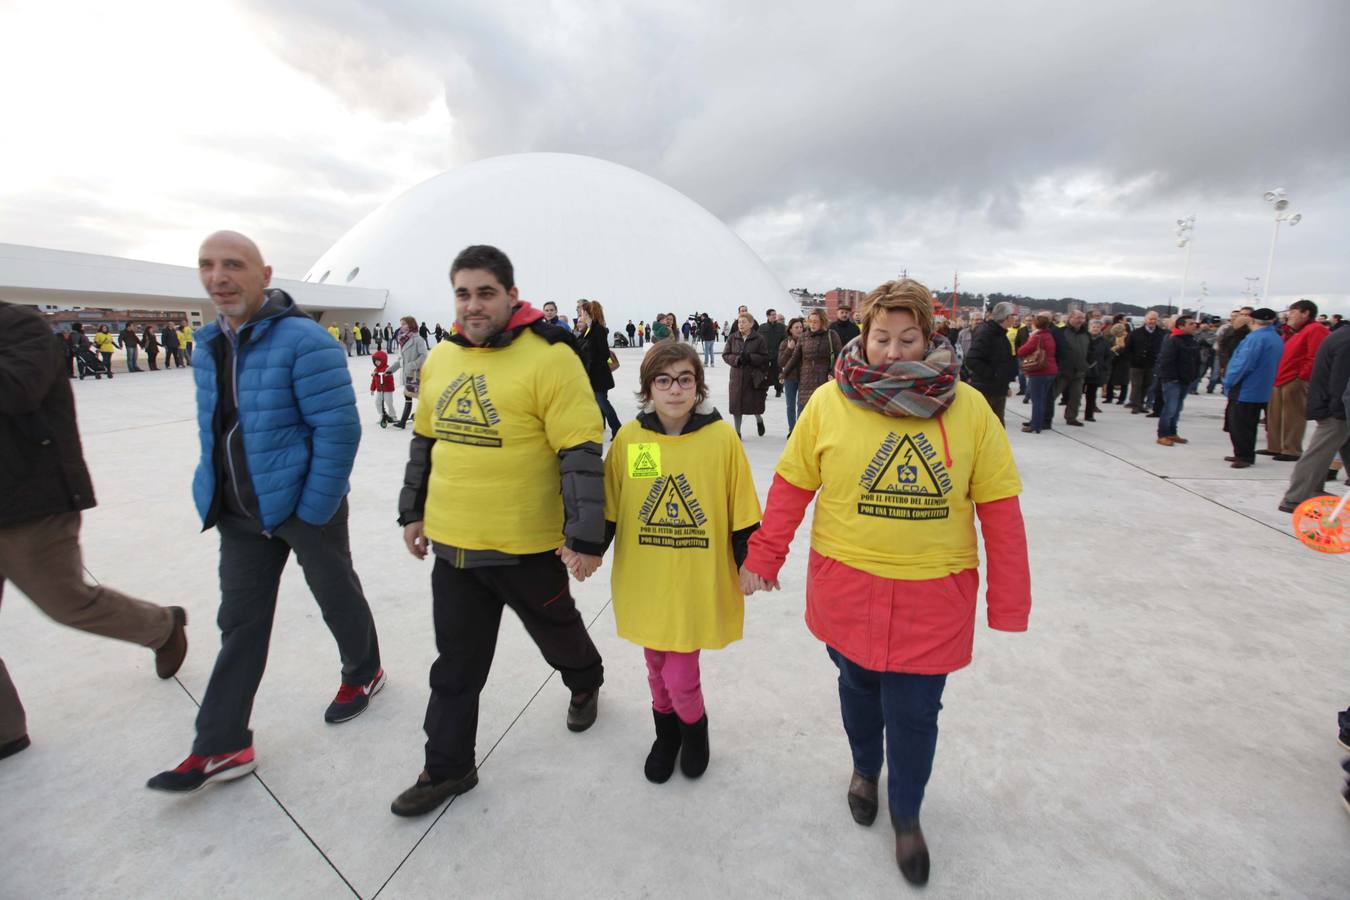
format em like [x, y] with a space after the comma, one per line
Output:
[708, 353]
[790, 388]
[607, 410]
[131, 358]
[902, 706]
[1042, 405]
[1174, 398]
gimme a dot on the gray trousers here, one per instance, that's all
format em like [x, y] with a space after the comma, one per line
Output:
[42, 558]
[250, 574]
[1140, 381]
[1331, 437]
[1073, 394]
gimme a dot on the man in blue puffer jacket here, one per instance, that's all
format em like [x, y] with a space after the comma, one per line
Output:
[279, 430]
[1248, 383]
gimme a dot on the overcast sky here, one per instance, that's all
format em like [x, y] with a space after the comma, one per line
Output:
[1038, 148]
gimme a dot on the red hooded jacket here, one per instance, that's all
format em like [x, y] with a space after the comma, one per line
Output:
[381, 380]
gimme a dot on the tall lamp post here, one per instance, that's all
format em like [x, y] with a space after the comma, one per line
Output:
[1280, 200]
[1250, 292]
[1184, 228]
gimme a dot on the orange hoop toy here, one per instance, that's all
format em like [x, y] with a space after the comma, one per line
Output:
[1322, 524]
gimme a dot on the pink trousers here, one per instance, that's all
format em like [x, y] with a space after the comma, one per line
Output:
[675, 684]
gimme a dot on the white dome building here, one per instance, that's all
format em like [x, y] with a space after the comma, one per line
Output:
[574, 226]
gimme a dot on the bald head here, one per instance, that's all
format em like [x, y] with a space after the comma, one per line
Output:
[232, 271]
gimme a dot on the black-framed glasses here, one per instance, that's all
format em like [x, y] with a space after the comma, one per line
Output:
[663, 382]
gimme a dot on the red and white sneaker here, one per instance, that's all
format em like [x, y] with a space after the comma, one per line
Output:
[196, 772]
[352, 699]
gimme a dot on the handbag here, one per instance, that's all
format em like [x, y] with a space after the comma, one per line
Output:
[1034, 360]
[613, 363]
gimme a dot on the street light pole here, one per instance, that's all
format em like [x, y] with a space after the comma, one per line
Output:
[1280, 199]
[1184, 228]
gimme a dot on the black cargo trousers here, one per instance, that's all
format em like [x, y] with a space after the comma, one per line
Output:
[467, 611]
[251, 564]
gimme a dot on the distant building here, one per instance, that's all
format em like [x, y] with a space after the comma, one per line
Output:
[843, 297]
[117, 319]
[805, 301]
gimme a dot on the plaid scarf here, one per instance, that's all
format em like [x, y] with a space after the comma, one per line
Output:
[924, 389]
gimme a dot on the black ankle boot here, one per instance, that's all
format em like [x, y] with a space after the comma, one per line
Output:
[694, 747]
[862, 799]
[661, 761]
[911, 852]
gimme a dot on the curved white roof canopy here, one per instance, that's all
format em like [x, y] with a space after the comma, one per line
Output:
[573, 226]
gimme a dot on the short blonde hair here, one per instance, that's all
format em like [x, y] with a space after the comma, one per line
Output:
[906, 294]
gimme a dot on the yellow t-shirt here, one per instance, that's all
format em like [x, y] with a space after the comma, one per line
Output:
[675, 500]
[890, 502]
[333, 330]
[500, 417]
[104, 342]
[185, 334]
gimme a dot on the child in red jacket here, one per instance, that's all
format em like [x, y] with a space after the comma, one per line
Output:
[382, 387]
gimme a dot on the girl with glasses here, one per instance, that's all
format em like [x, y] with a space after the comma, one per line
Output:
[680, 504]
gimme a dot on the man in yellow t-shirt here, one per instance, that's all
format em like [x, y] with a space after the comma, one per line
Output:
[505, 486]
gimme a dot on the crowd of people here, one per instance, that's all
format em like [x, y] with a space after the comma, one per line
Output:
[90, 354]
[512, 408]
[516, 405]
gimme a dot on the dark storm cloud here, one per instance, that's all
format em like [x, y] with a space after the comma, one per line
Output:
[742, 106]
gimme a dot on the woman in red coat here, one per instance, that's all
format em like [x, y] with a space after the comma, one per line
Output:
[900, 456]
[1040, 371]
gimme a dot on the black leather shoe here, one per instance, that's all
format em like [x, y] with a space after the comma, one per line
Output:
[426, 795]
[911, 854]
[17, 745]
[862, 799]
[581, 715]
[169, 658]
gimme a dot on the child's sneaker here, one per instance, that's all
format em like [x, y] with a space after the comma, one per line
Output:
[195, 772]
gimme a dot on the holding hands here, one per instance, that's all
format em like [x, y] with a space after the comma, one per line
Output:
[750, 582]
[580, 565]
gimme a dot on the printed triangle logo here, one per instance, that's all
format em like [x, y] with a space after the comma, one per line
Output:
[465, 405]
[907, 473]
[645, 463]
[672, 510]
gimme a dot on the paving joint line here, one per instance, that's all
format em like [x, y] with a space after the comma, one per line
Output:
[1166, 480]
[275, 799]
[487, 756]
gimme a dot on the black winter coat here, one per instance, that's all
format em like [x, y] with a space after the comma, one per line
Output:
[749, 360]
[1143, 347]
[593, 347]
[42, 471]
[1077, 350]
[990, 362]
[1100, 360]
[1179, 359]
[1330, 376]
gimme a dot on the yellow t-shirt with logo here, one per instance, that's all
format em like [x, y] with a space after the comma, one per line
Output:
[675, 500]
[500, 417]
[890, 502]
